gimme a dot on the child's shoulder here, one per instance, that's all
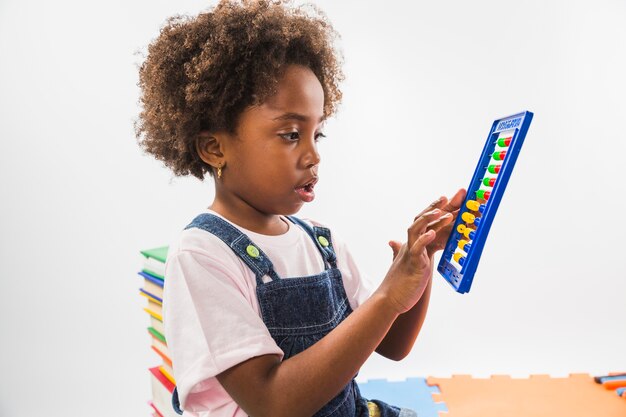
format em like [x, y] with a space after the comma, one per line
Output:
[200, 244]
[336, 239]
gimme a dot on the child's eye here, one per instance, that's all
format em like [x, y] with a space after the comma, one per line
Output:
[294, 136]
[291, 136]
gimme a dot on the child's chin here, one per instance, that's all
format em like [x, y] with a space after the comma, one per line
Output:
[292, 210]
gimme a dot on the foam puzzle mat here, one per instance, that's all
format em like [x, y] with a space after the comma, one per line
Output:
[413, 393]
[500, 395]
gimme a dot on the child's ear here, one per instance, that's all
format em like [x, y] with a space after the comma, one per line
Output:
[210, 148]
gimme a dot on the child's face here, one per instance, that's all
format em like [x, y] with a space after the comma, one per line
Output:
[271, 166]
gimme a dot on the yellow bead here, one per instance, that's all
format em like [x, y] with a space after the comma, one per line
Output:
[462, 243]
[461, 228]
[467, 232]
[468, 217]
[472, 205]
[457, 257]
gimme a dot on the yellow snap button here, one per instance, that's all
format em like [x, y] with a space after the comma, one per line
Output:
[323, 241]
[252, 251]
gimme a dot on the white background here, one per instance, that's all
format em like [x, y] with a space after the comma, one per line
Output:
[425, 80]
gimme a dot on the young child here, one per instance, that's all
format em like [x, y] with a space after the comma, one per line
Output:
[267, 314]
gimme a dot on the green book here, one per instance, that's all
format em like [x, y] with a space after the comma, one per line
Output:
[157, 334]
[153, 272]
[160, 254]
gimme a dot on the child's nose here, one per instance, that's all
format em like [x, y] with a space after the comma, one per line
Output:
[311, 155]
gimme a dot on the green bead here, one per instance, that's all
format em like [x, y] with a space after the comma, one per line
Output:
[252, 251]
[480, 194]
[323, 241]
[499, 156]
[486, 181]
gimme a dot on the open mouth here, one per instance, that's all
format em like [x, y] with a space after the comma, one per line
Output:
[306, 191]
[308, 187]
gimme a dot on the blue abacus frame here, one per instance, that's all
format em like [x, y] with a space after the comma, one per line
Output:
[461, 280]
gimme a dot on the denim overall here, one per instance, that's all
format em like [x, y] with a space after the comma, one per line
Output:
[298, 311]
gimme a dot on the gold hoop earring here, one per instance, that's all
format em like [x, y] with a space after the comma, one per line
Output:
[219, 172]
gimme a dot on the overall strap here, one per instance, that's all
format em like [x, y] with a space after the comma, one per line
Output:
[241, 244]
[321, 237]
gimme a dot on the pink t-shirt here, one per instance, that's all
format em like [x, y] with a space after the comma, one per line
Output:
[211, 314]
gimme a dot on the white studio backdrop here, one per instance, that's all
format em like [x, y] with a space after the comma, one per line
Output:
[425, 80]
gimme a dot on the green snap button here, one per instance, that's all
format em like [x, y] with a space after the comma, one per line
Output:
[252, 251]
[323, 241]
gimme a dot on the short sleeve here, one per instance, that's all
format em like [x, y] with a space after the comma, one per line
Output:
[358, 287]
[210, 324]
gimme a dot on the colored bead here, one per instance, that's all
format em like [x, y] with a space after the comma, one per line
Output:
[499, 156]
[477, 221]
[252, 251]
[483, 194]
[504, 142]
[469, 233]
[468, 217]
[472, 205]
[459, 258]
[462, 243]
[489, 182]
[494, 169]
[461, 228]
[323, 241]
[481, 209]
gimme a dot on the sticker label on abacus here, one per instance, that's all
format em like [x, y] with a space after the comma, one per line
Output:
[509, 124]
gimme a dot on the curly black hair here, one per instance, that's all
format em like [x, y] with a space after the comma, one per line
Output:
[202, 72]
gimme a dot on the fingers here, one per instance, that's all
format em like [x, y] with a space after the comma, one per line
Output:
[420, 224]
[437, 204]
[422, 241]
[443, 221]
[451, 206]
[444, 204]
[456, 201]
[437, 216]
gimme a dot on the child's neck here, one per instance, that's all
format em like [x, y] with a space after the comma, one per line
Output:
[251, 219]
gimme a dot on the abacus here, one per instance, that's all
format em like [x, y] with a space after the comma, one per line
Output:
[462, 251]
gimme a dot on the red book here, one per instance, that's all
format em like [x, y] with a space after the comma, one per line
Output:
[162, 379]
[162, 390]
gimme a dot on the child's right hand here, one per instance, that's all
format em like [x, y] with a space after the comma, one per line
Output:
[412, 266]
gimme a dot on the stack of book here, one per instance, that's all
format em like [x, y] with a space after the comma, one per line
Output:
[153, 275]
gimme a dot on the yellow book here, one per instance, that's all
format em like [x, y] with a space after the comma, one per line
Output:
[167, 371]
[153, 314]
[150, 298]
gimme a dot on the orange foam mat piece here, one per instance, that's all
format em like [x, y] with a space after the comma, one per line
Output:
[538, 396]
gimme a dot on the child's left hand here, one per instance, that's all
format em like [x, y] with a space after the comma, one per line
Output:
[442, 226]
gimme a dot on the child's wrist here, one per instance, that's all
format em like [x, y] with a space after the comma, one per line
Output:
[387, 305]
